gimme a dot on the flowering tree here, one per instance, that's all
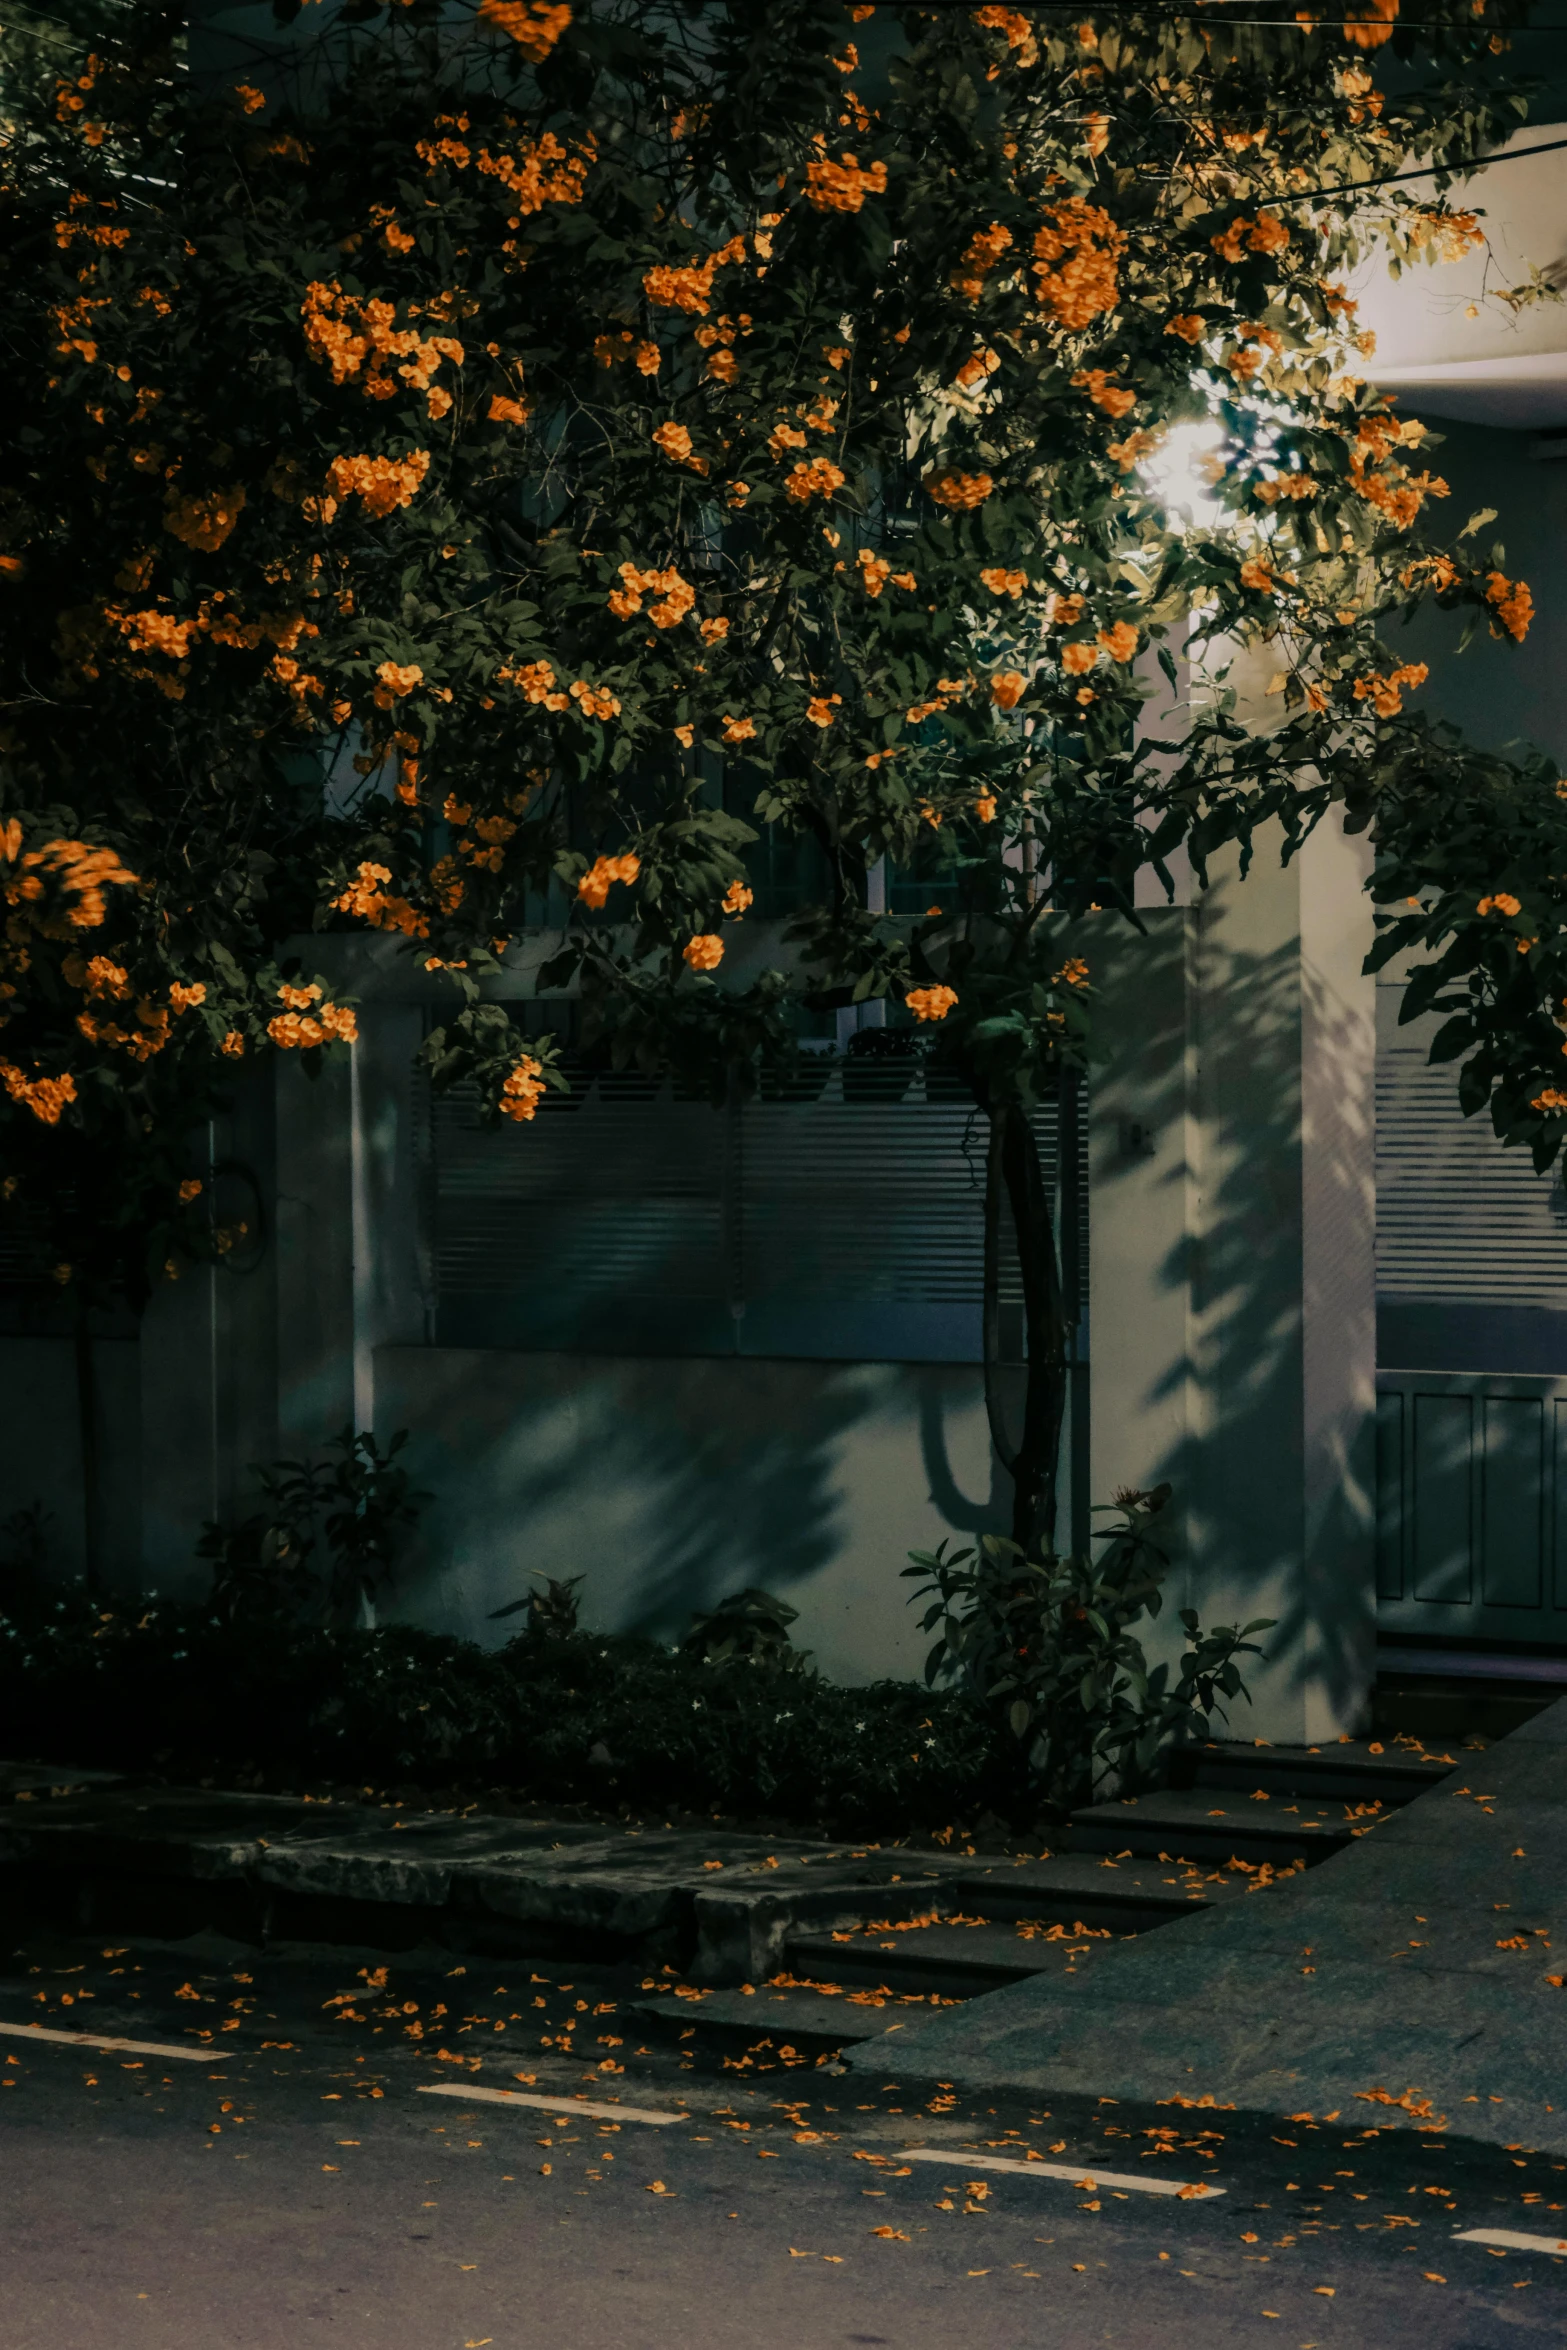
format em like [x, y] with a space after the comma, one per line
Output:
[617, 435]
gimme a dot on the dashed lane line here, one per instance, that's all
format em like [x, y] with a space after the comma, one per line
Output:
[609, 2113]
[1188, 2190]
[110, 2040]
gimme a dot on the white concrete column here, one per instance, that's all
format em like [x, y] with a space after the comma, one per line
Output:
[1232, 1287]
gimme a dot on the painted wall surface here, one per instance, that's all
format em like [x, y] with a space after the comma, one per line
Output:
[42, 1461]
[668, 1484]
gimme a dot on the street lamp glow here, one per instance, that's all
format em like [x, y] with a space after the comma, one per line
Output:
[1182, 472]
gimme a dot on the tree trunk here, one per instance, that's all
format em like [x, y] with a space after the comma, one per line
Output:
[87, 1436]
[1015, 1185]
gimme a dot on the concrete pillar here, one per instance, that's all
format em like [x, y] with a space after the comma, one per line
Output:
[1232, 1278]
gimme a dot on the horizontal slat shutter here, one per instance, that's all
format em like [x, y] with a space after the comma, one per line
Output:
[1458, 1217]
[623, 1220]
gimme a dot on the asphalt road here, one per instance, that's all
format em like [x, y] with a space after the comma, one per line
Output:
[292, 2180]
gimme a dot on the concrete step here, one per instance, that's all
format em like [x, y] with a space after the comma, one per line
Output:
[1355, 1770]
[960, 1960]
[37, 1782]
[1209, 1824]
[1069, 1886]
[791, 2016]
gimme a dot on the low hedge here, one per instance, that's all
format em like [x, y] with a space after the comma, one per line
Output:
[575, 1718]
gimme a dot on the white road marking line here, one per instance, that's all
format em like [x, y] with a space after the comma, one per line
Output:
[608, 2113]
[108, 2040]
[1511, 2241]
[1190, 2190]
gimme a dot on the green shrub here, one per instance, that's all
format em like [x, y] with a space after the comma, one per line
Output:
[1045, 1647]
[568, 1717]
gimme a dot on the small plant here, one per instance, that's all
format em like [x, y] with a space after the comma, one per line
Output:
[750, 1627]
[261, 1569]
[1047, 1644]
[353, 1509]
[552, 1612]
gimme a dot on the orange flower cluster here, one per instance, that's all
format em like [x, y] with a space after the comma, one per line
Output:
[959, 491]
[186, 999]
[1503, 903]
[73, 320]
[874, 572]
[154, 632]
[985, 807]
[1381, 478]
[399, 678]
[1266, 234]
[703, 953]
[97, 975]
[843, 187]
[535, 680]
[543, 172]
[504, 411]
[689, 286]
[1452, 233]
[356, 338]
[283, 629]
[1373, 25]
[535, 25]
[1113, 398]
[980, 255]
[1188, 326]
[676, 596]
[738, 730]
[976, 367]
[307, 1021]
[1088, 245]
[675, 442]
[1553, 1102]
[1137, 445]
[147, 1038]
[1298, 487]
[522, 1091]
[46, 1097]
[819, 708]
[931, 1003]
[1004, 583]
[1513, 603]
[203, 523]
[1007, 688]
[84, 872]
[1019, 32]
[594, 887]
[1120, 641]
[381, 483]
[367, 897]
[818, 479]
[1386, 693]
[595, 701]
[736, 899]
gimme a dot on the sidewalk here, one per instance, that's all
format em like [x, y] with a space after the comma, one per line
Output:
[1418, 1973]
